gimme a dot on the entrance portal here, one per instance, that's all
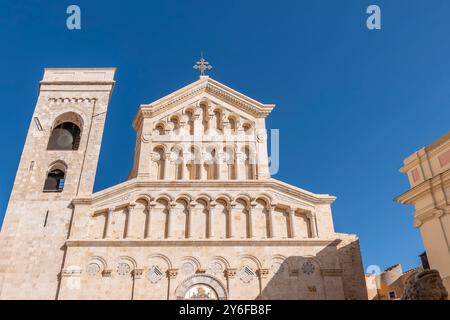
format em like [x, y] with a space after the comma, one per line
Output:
[201, 287]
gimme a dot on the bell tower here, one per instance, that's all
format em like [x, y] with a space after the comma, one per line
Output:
[58, 163]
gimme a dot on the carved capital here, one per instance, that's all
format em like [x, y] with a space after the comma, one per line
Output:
[263, 273]
[439, 213]
[107, 273]
[155, 156]
[172, 273]
[230, 273]
[137, 273]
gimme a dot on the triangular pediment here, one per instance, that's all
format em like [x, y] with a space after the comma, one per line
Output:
[197, 89]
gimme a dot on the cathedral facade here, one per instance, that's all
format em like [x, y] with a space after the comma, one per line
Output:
[198, 218]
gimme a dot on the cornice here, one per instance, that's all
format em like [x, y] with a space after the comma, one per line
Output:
[424, 154]
[411, 196]
[200, 243]
[187, 185]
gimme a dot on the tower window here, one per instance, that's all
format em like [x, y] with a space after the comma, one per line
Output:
[65, 136]
[54, 181]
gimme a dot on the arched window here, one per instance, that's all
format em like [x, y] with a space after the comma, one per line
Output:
[54, 181]
[65, 136]
[233, 123]
[160, 129]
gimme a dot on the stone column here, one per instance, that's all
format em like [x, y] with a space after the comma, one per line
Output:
[312, 222]
[169, 219]
[291, 213]
[262, 152]
[171, 275]
[211, 211]
[169, 167]
[231, 209]
[108, 222]
[262, 277]
[198, 125]
[240, 154]
[240, 165]
[128, 224]
[185, 170]
[189, 217]
[226, 125]
[204, 160]
[212, 123]
[136, 274]
[230, 274]
[270, 213]
[223, 166]
[148, 222]
[251, 224]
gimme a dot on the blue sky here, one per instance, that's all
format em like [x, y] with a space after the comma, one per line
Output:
[351, 103]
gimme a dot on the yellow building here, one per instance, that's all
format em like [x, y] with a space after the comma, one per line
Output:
[389, 284]
[428, 172]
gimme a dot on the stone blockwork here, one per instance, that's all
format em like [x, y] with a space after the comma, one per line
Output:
[199, 216]
[36, 223]
[428, 171]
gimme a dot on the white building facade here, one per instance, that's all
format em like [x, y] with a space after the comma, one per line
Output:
[198, 218]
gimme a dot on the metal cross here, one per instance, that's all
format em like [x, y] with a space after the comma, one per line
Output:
[202, 65]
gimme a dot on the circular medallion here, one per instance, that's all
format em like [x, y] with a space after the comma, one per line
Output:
[308, 268]
[92, 269]
[123, 268]
[215, 267]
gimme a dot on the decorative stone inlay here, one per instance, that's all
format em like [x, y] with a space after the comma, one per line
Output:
[277, 268]
[93, 269]
[246, 274]
[187, 268]
[215, 267]
[123, 268]
[308, 268]
[154, 274]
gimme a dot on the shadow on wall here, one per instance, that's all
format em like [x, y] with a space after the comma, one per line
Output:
[334, 273]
